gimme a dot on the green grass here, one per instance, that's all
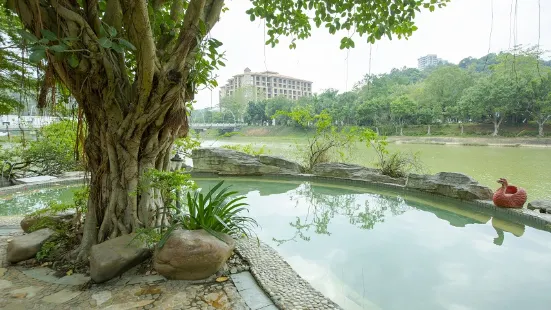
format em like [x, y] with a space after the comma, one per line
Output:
[447, 130]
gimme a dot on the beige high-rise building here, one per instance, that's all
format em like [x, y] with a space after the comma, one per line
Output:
[268, 84]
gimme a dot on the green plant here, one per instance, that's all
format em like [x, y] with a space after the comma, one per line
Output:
[217, 212]
[328, 143]
[393, 164]
[247, 148]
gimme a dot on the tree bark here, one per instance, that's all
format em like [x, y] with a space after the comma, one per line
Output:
[540, 129]
[428, 130]
[497, 122]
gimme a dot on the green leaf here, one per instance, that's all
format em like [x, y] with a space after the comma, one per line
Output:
[29, 37]
[116, 47]
[48, 34]
[37, 55]
[112, 31]
[44, 41]
[105, 42]
[127, 44]
[60, 48]
[73, 61]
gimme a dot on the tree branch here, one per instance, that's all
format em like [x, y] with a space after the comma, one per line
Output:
[206, 11]
[92, 15]
[137, 24]
[113, 14]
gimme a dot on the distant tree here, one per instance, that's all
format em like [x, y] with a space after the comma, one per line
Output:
[444, 87]
[256, 113]
[491, 98]
[402, 111]
[278, 104]
[539, 100]
[18, 83]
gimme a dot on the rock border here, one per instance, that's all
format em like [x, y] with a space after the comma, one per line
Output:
[286, 288]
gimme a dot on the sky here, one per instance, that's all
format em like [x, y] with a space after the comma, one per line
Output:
[455, 32]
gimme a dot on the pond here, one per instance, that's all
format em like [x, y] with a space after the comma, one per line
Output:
[370, 249]
[528, 167]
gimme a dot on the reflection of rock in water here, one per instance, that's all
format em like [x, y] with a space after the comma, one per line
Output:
[500, 226]
[269, 188]
[244, 187]
[454, 216]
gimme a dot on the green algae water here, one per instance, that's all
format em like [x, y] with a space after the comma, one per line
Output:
[528, 167]
[372, 249]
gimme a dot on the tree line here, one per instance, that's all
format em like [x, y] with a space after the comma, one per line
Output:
[511, 87]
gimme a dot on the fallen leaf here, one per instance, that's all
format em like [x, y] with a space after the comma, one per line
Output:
[69, 272]
[221, 279]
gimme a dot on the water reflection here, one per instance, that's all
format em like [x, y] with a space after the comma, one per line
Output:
[502, 226]
[323, 204]
[366, 210]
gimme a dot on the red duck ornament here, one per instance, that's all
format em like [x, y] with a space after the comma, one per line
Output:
[509, 196]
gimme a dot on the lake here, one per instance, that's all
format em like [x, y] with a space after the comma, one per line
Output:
[527, 167]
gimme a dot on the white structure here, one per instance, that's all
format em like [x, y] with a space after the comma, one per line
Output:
[15, 122]
[267, 84]
[430, 60]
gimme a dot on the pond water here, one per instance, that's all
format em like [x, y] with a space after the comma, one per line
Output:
[27, 202]
[528, 167]
[371, 249]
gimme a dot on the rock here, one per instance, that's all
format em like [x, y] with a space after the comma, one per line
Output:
[544, 206]
[230, 162]
[355, 172]
[113, 257]
[192, 255]
[450, 184]
[285, 165]
[62, 296]
[29, 221]
[25, 247]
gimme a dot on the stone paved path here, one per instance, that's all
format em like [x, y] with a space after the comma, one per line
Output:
[38, 288]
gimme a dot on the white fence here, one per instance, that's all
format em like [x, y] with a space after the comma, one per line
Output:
[15, 122]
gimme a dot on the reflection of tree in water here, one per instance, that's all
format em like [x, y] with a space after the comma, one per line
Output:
[325, 203]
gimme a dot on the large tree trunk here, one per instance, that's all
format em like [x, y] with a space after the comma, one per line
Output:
[120, 202]
[134, 113]
[540, 129]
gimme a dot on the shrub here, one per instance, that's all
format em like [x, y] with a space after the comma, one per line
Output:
[328, 142]
[247, 148]
[53, 152]
[67, 233]
[393, 164]
[217, 212]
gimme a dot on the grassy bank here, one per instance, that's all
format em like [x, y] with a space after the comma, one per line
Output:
[475, 135]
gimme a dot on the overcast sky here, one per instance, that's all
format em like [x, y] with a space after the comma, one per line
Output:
[460, 30]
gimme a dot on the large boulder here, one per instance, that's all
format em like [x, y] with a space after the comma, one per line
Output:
[113, 257]
[25, 247]
[354, 172]
[544, 206]
[450, 184]
[192, 255]
[284, 164]
[29, 221]
[230, 162]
